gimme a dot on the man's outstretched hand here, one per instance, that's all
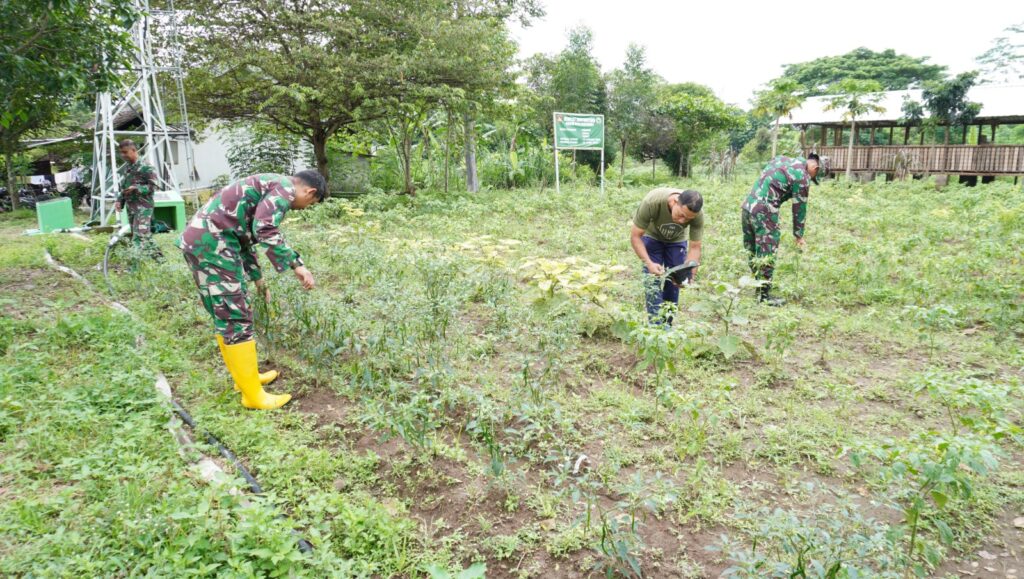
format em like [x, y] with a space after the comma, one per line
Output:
[305, 277]
[261, 287]
[801, 243]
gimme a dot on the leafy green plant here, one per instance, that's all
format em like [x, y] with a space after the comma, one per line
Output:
[484, 430]
[571, 277]
[722, 302]
[692, 428]
[779, 339]
[474, 571]
[979, 406]
[833, 541]
[414, 419]
[659, 348]
[932, 320]
[931, 469]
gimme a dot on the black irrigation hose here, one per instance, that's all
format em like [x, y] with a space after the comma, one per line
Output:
[254, 485]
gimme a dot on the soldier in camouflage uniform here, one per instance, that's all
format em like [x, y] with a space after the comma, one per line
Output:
[136, 195]
[782, 179]
[220, 248]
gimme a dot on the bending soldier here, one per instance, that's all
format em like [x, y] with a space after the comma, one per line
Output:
[782, 179]
[219, 245]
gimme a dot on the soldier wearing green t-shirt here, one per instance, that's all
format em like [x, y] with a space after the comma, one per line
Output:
[662, 224]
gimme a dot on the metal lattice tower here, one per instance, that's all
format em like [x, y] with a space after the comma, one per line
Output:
[139, 96]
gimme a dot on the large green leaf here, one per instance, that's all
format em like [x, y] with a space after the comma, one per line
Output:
[729, 345]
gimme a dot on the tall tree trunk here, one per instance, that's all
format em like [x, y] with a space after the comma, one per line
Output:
[849, 150]
[472, 185]
[654, 165]
[775, 137]
[12, 190]
[407, 157]
[622, 162]
[447, 148]
[945, 149]
[320, 154]
[679, 166]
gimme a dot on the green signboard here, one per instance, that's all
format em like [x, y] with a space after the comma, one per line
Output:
[573, 131]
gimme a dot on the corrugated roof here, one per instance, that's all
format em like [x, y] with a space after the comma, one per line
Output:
[998, 101]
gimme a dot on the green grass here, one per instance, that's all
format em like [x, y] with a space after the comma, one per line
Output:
[448, 382]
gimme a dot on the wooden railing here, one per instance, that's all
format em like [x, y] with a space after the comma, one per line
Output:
[954, 159]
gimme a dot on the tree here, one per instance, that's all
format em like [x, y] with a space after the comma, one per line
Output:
[892, 71]
[631, 97]
[570, 82]
[1004, 62]
[576, 82]
[257, 148]
[315, 68]
[781, 97]
[47, 63]
[656, 138]
[947, 101]
[697, 114]
[913, 114]
[855, 98]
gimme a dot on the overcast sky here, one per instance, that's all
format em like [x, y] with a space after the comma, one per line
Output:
[734, 47]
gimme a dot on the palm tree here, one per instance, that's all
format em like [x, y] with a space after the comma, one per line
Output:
[781, 97]
[855, 98]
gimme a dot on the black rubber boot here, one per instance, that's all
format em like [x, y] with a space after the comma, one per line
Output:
[764, 295]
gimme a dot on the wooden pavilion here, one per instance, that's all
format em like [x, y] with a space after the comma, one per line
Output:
[888, 148]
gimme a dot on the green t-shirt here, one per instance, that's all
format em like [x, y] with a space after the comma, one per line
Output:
[655, 218]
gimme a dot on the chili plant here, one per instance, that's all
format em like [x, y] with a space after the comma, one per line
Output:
[930, 470]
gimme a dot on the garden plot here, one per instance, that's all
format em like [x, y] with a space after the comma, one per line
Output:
[474, 383]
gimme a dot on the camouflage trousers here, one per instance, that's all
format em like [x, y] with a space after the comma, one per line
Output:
[761, 236]
[140, 215]
[220, 277]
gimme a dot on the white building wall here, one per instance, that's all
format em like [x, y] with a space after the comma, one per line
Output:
[210, 150]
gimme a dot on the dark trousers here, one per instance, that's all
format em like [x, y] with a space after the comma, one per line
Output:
[669, 255]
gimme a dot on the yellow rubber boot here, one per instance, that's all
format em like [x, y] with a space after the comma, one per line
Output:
[241, 362]
[265, 377]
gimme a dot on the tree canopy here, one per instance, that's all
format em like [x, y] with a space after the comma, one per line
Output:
[780, 98]
[45, 65]
[631, 98]
[855, 98]
[313, 68]
[891, 70]
[1004, 61]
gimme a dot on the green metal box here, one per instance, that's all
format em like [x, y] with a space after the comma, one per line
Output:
[55, 214]
[169, 207]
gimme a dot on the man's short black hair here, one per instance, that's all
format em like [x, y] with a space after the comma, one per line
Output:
[127, 144]
[314, 180]
[692, 200]
[822, 170]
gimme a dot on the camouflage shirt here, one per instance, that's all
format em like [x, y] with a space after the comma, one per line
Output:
[782, 179]
[247, 212]
[143, 177]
